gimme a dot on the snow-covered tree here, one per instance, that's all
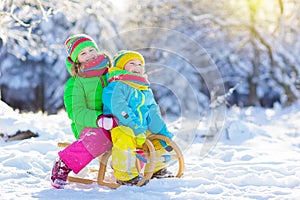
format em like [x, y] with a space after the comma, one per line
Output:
[33, 56]
[254, 42]
[255, 47]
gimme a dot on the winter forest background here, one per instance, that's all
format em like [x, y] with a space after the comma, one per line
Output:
[254, 45]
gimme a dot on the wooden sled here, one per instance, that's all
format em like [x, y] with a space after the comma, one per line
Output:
[149, 152]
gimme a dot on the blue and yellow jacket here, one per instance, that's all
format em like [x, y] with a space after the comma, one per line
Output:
[129, 98]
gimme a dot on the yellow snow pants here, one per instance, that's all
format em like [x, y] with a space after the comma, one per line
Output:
[124, 154]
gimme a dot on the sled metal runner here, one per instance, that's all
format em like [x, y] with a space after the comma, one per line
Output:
[149, 152]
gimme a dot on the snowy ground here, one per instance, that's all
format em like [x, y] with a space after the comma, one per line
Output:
[257, 157]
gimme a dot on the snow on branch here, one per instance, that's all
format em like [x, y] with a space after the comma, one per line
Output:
[222, 99]
[19, 18]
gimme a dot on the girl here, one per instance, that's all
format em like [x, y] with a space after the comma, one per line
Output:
[83, 103]
[130, 100]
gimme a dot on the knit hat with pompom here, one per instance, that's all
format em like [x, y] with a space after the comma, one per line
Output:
[123, 56]
[74, 45]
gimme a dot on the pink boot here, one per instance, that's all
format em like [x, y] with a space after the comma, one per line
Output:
[60, 173]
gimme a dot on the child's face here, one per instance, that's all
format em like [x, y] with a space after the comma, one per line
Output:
[134, 66]
[87, 54]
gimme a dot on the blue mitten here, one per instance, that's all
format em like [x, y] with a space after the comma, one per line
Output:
[164, 131]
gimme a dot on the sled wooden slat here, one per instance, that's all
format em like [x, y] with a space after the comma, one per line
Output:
[150, 153]
[63, 144]
[102, 169]
[81, 180]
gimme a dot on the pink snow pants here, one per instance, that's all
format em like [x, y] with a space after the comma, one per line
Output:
[92, 143]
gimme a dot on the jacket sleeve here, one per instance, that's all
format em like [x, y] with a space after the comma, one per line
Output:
[155, 121]
[76, 106]
[114, 98]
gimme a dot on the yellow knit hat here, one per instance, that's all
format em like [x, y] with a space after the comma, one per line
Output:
[123, 56]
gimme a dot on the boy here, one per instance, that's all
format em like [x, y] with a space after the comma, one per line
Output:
[130, 100]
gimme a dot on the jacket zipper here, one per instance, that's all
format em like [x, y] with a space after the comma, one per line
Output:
[140, 105]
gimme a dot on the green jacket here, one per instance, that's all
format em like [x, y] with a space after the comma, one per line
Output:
[83, 101]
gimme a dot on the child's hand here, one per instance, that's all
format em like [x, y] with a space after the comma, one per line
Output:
[140, 139]
[107, 122]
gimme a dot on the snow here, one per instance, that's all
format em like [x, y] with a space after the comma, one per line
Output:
[256, 157]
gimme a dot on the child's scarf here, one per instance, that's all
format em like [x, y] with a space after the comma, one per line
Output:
[132, 79]
[96, 67]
